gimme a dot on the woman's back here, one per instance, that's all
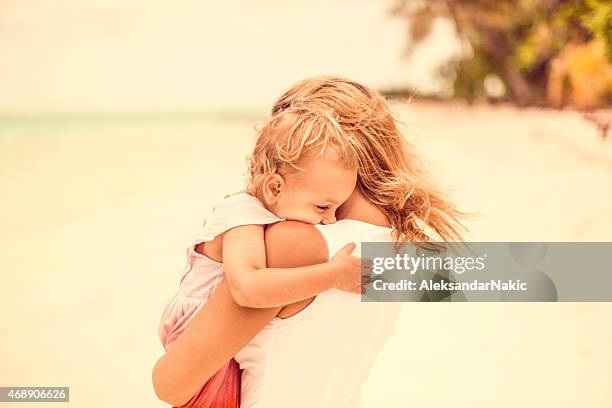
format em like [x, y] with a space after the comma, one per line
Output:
[321, 356]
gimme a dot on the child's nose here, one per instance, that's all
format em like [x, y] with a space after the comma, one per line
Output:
[330, 219]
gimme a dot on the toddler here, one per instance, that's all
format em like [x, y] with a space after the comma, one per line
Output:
[302, 168]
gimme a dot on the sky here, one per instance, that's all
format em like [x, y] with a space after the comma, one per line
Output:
[135, 55]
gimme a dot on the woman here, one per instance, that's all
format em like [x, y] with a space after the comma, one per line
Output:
[317, 354]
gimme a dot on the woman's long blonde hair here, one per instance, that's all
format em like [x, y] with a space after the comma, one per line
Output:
[390, 173]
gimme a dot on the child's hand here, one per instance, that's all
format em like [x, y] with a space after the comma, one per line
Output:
[347, 270]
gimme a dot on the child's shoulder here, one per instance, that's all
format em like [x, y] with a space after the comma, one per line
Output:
[234, 211]
[244, 207]
[240, 201]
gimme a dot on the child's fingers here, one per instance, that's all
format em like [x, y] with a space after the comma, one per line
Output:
[366, 263]
[348, 248]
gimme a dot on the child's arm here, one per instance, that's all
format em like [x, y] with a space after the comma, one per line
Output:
[221, 328]
[254, 285]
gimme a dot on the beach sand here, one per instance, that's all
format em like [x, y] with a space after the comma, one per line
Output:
[97, 212]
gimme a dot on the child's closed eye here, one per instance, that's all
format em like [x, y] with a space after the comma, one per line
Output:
[322, 207]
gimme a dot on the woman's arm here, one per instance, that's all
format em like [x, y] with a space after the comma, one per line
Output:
[221, 327]
[253, 285]
[218, 331]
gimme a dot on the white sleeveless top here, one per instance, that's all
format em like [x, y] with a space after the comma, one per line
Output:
[321, 356]
[201, 274]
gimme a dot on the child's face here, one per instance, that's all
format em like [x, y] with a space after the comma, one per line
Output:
[313, 195]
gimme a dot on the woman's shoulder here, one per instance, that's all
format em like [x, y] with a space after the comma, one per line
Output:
[295, 243]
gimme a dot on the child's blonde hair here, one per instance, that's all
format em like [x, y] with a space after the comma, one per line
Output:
[390, 173]
[293, 134]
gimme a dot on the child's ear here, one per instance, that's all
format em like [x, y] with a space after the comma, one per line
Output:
[273, 188]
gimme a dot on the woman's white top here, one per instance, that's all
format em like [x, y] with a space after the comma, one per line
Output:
[321, 356]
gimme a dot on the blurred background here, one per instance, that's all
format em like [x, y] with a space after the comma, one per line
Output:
[123, 122]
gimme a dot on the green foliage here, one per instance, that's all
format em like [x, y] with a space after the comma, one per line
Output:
[599, 21]
[519, 41]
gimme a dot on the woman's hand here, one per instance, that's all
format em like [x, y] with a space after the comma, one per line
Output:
[350, 273]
